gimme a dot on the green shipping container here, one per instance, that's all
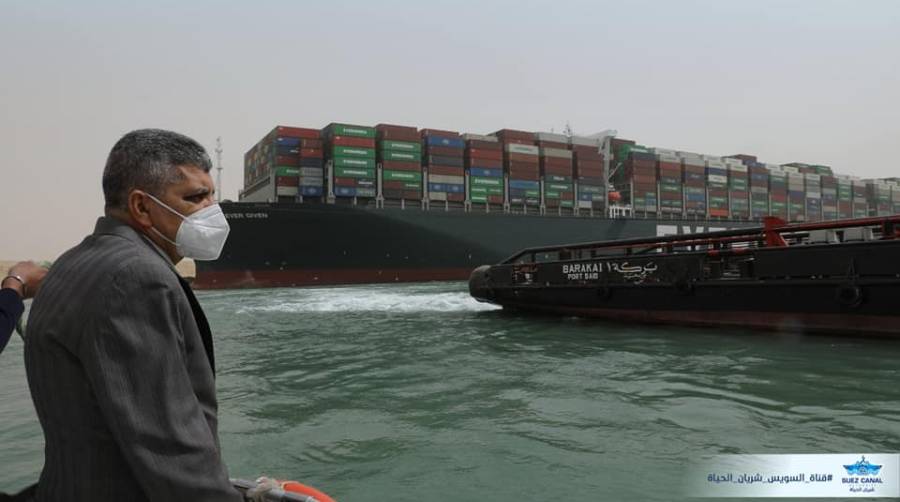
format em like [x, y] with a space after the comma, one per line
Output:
[532, 193]
[486, 190]
[354, 162]
[559, 186]
[557, 178]
[589, 189]
[670, 188]
[567, 203]
[287, 171]
[551, 194]
[401, 156]
[484, 181]
[352, 151]
[350, 130]
[478, 198]
[353, 172]
[390, 175]
[401, 146]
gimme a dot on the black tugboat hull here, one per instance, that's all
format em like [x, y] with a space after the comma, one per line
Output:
[826, 288]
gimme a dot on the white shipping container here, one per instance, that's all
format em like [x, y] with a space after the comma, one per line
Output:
[664, 151]
[717, 178]
[556, 152]
[523, 149]
[287, 191]
[312, 181]
[450, 180]
[815, 178]
[759, 190]
[584, 204]
[665, 157]
[480, 137]
[549, 136]
[790, 169]
[437, 195]
[693, 161]
[311, 172]
[740, 168]
[715, 163]
[584, 141]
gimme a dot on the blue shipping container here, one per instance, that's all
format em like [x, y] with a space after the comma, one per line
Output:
[285, 141]
[311, 191]
[443, 141]
[446, 187]
[481, 171]
[524, 185]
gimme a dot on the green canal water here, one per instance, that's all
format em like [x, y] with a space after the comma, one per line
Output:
[418, 393]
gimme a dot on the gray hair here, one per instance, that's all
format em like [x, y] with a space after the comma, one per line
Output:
[148, 159]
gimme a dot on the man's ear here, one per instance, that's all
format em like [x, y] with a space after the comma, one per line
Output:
[139, 209]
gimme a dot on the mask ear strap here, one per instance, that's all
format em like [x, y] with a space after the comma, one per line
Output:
[170, 241]
[163, 204]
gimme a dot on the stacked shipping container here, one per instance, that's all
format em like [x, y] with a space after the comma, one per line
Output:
[350, 149]
[716, 187]
[521, 163]
[878, 197]
[860, 205]
[555, 160]
[845, 196]
[638, 181]
[829, 197]
[444, 164]
[694, 169]
[670, 173]
[587, 166]
[759, 190]
[484, 166]
[294, 155]
[400, 157]
[778, 192]
[738, 188]
[813, 192]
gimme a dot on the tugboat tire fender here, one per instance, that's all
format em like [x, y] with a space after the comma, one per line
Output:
[849, 295]
[684, 287]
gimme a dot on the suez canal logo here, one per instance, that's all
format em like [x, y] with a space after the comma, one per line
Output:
[862, 476]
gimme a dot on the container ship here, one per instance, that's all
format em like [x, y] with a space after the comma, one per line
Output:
[357, 204]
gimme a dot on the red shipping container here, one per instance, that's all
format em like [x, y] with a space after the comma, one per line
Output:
[412, 194]
[526, 175]
[506, 135]
[559, 171]
[394, 185]
[531, 166]
[587, 152]
[311, 143]
[287, 160]
[590, 173]
[398, 165]
[590, 180]
[456, 197]
[484, 145]
[589, 164]
[556, 162]
[395, 129]
[312, 153]
[297, 132]
[352, 141]
[287, 181]
[484, 163]
[345, 182]
[439, 132]
[721, 213]
[444, 151]
[446, 171]
[551, 203]
[484, 154]
[644, 187]
[642, 163]
[567, 195]
[669, 165]
[521, 157]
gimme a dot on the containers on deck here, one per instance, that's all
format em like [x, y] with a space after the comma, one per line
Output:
[443, 161]
[350, 149]
[484, 166]
[587, 167]
[399, 152]
[556, 169]
[521, 163]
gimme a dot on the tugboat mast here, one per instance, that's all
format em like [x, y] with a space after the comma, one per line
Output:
[219, 169]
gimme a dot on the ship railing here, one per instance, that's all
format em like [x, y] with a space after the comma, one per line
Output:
[774, 233]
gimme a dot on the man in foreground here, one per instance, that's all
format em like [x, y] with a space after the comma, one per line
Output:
[119, 354]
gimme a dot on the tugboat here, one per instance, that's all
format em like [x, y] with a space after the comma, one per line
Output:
[827, 277]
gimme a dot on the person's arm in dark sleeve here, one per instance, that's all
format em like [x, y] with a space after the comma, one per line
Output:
[134, 360]
[11, 308]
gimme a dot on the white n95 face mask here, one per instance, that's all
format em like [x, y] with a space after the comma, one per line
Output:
[201, 235]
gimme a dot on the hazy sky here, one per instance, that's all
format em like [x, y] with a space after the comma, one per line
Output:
[812, 81]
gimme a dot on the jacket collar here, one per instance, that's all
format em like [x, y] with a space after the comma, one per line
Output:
[107, 225]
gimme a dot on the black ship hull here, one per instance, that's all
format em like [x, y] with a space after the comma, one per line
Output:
[286, 245]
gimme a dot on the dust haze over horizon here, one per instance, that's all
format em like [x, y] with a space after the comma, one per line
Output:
[807, 81]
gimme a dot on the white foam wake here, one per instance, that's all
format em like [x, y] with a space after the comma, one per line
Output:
[366, 300]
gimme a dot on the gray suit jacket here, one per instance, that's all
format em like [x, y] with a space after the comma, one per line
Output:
[120, 365]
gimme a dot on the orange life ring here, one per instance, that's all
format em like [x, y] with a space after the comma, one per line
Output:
[295, 487]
